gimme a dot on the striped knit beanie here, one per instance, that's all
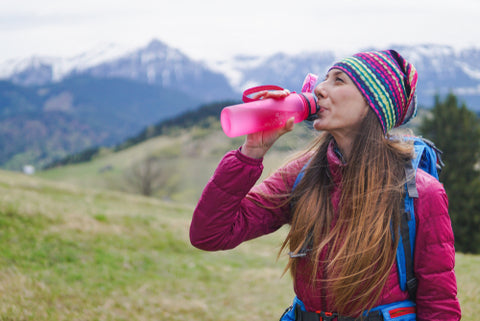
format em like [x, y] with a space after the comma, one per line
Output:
[388, 83]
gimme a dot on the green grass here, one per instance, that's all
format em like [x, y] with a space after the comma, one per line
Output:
[79, 254]
[70, 253]
[467, 270]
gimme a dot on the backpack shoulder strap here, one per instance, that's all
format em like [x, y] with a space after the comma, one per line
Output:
[406, 245]
[300, 175]
[307, 245]
[428, 158]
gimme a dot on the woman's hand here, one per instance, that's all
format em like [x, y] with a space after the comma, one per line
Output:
[257, 144]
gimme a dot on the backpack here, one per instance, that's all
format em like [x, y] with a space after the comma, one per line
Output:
[428, 158]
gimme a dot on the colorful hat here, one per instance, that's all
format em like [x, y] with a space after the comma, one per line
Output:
[388, 83]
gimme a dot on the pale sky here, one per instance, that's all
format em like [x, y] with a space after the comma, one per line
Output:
[211, 29]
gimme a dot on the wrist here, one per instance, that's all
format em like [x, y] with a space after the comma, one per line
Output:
[253, 152]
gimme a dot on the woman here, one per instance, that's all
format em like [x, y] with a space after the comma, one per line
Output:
[349, 199]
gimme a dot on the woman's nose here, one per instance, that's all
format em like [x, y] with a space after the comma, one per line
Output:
[320, 91]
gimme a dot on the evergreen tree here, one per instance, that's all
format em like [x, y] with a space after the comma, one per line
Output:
[456, 131]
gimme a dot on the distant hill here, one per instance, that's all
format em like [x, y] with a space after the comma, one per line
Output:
[42, 123]
[203, 117]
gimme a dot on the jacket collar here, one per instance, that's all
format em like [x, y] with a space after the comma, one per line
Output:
[336, 162]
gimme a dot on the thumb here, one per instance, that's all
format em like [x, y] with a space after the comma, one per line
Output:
[289, 124]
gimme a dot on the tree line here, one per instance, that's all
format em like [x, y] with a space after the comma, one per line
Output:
[456, 131]
[198, 117]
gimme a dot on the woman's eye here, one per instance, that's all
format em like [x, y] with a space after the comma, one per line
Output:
[339, 79]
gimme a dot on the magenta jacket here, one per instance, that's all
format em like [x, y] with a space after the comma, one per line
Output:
[225, 217]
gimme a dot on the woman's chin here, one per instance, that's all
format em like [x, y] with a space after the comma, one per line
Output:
[319, 125]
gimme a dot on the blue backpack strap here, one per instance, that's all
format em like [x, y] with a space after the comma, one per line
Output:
[307, 245]
[290, 313]
[398, 311]
[300, 175]
[406, 246]
[428, 158]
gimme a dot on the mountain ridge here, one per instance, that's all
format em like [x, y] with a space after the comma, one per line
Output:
[442, 69]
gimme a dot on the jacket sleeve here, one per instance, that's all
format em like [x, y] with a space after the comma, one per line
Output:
[434, 259]
[232, 209]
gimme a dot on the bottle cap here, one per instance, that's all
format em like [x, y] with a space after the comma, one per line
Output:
[309, 83]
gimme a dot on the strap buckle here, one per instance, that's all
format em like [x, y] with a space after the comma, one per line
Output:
[327, 316]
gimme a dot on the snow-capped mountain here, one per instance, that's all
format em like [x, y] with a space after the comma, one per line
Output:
[40, 70]
[155, 64]
[441, 69]
[159, 64]
[280, 69]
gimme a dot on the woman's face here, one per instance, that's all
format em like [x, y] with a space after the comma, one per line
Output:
[341, 105]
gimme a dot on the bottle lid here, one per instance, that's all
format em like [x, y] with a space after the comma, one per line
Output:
[309, 83]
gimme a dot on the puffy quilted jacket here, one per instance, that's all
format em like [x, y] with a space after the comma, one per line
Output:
[225, 217]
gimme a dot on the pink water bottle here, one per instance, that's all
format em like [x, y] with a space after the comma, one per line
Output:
[264, 114]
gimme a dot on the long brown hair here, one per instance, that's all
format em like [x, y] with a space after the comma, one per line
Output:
[361, 247]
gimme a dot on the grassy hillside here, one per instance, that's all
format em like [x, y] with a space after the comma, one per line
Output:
[187, 158]
[81, 254]
[71, 253]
